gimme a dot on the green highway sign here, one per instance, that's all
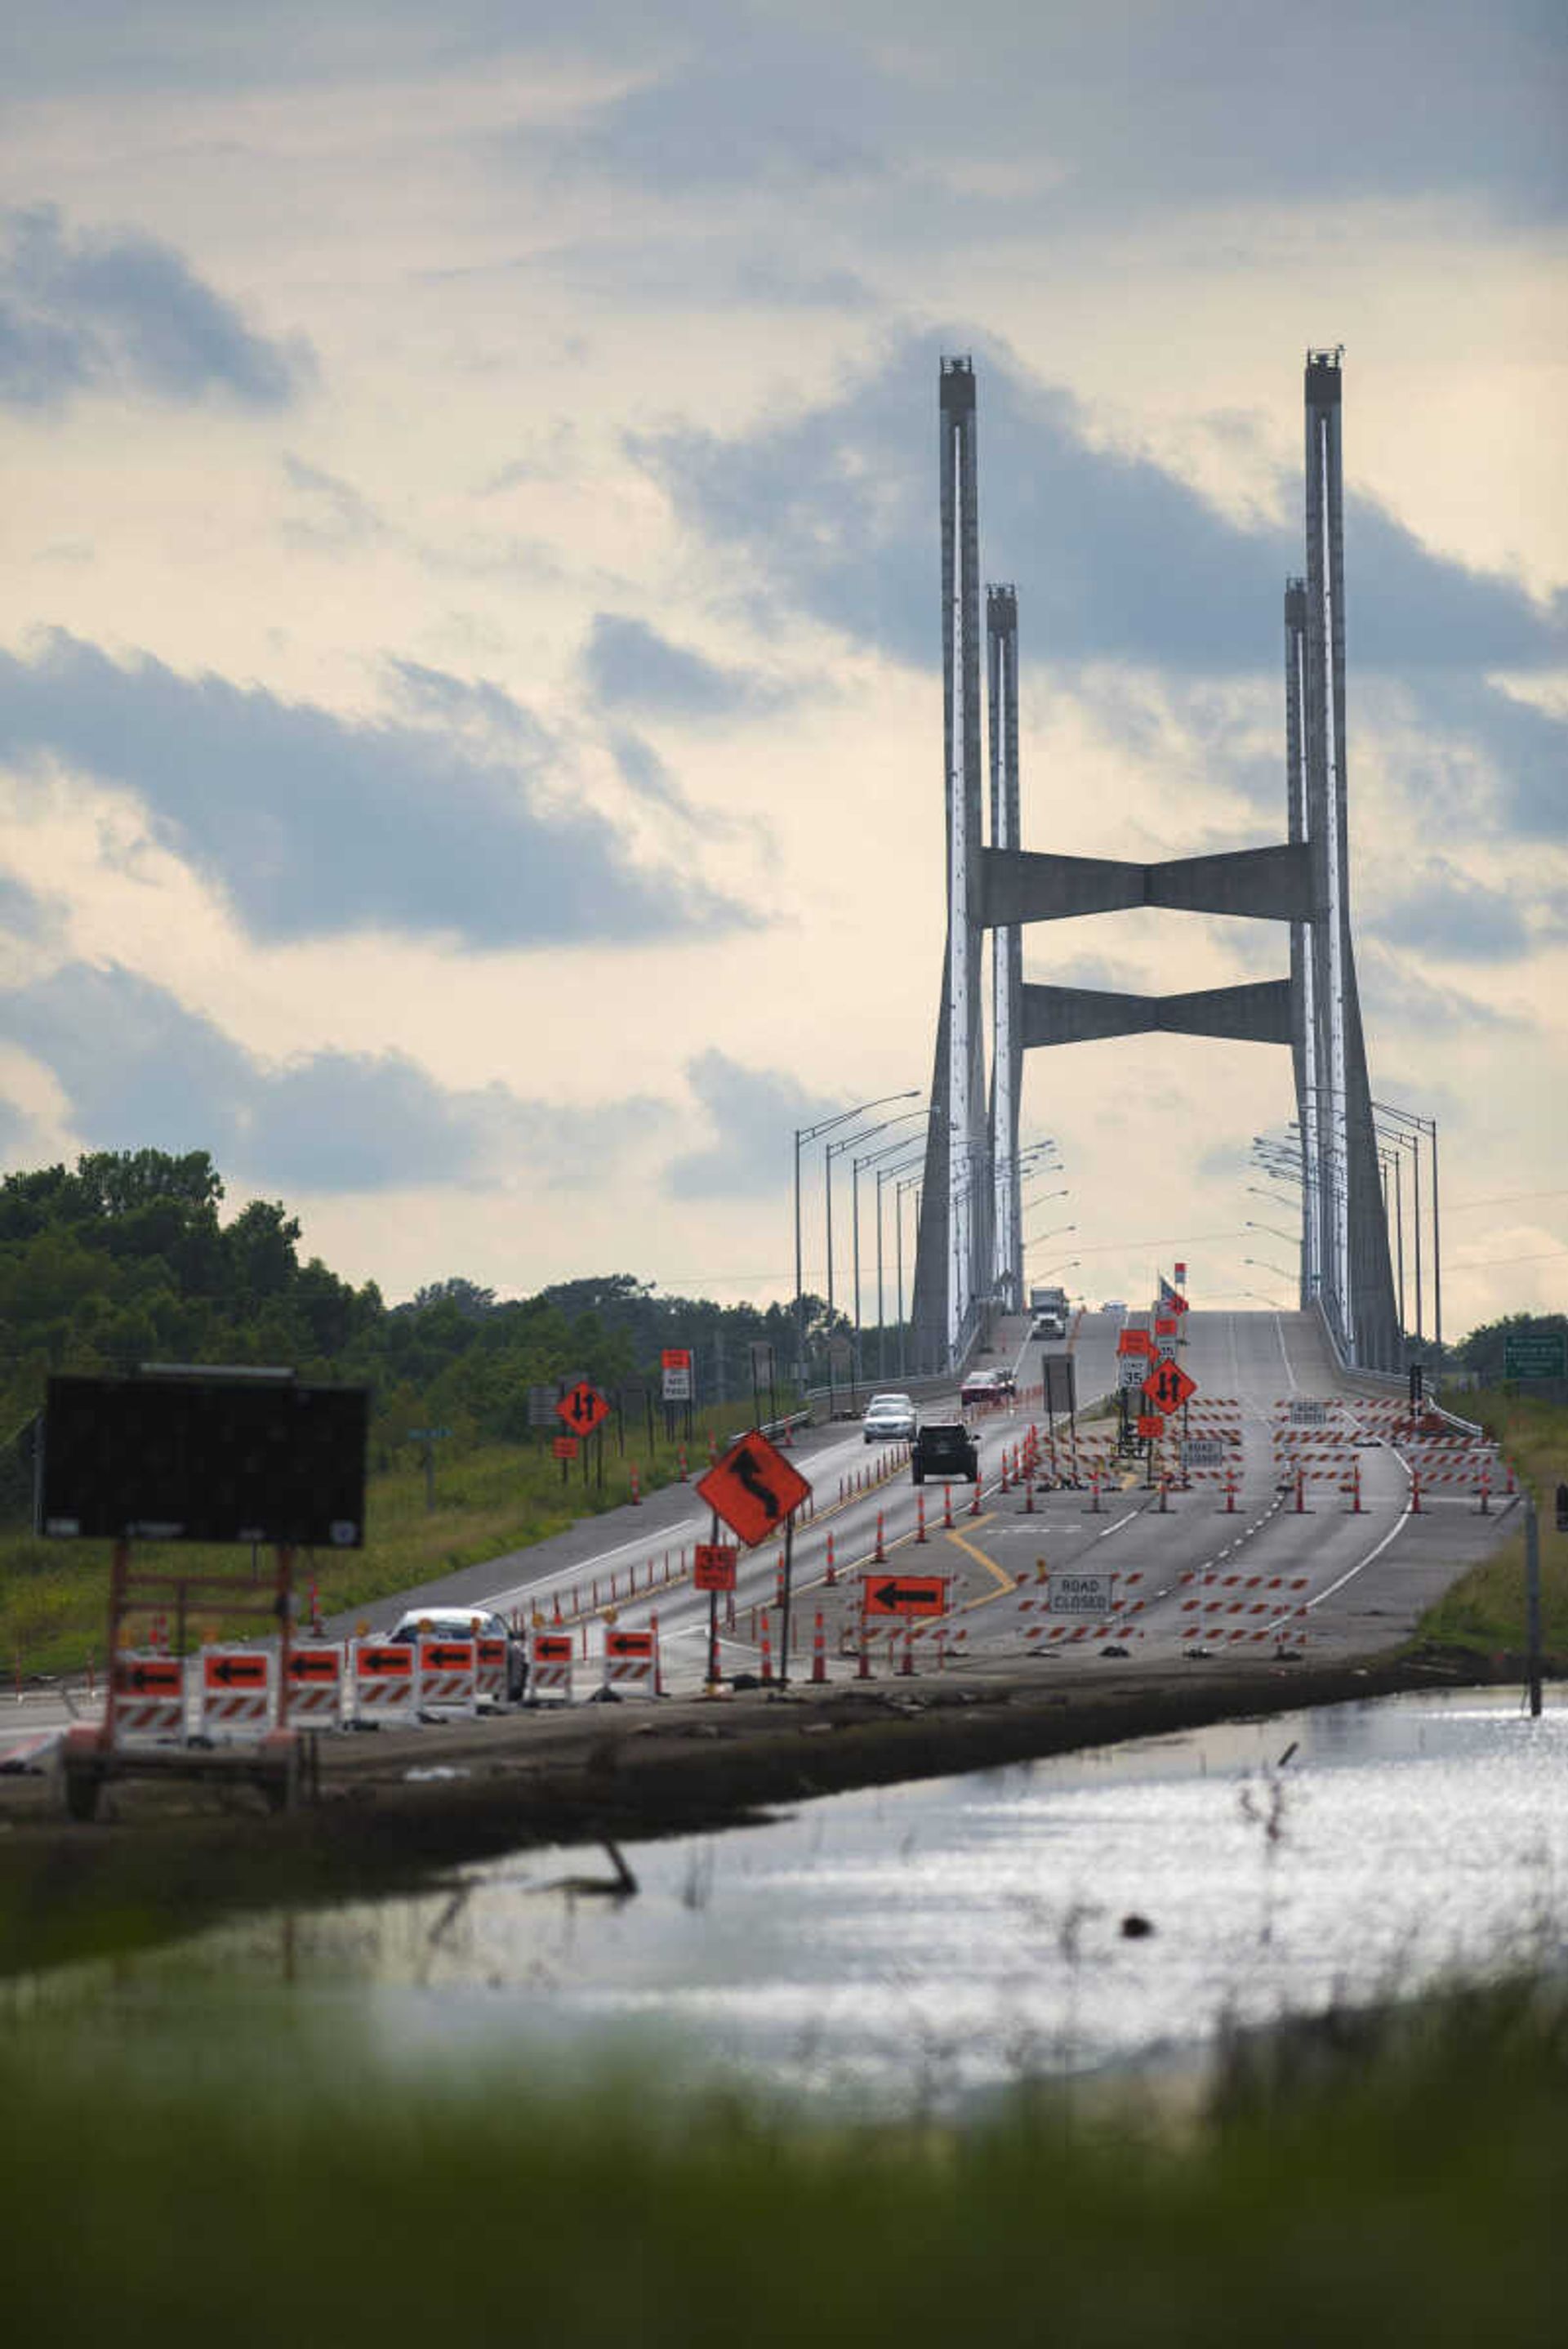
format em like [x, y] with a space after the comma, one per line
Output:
[1536, 1354]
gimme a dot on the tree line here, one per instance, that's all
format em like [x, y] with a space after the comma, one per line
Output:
[126, 1259]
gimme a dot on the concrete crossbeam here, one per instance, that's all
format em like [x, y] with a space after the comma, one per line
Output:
[1272, 883]
[1257, 1013]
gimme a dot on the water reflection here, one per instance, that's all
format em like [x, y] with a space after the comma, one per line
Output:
[938, 1940]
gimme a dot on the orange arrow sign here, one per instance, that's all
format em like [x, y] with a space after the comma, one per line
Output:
[907, 1594]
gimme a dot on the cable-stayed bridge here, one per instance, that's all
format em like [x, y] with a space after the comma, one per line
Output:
[969, 1252]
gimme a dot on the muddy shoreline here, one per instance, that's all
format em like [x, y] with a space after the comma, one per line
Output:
[397, 1810]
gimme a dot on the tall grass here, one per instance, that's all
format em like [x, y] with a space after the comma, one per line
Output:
[1485, 1608]
[1406, 2185]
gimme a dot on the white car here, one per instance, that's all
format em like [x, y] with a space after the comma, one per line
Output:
[468, 1623]
[889, 1419]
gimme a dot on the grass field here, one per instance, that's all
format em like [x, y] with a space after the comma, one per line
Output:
[1486, 1609]
[1367, 2181]
[489, 1500]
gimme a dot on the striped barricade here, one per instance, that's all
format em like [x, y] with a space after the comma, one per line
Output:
[549, 1666]
[236, 1693]
[489, 1671]
[630, 1658]
[149, 1697]
[312, 1693]
[383, 1682]
[446, 1672]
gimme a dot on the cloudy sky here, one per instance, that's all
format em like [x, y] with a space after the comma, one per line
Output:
[469, 703]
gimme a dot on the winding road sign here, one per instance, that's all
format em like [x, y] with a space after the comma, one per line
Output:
[1168, 1385]
[754, 1489]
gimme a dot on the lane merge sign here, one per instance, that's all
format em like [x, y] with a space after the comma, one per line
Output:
[1168, 1385]
[753, 1488]
[906, 1594]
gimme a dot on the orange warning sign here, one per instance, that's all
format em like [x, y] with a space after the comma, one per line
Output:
[234, 1672]
[713, 1566]
[906, 1594]
[139, 1676]
[1168, 1385]
[753, 1488]
[389, 1663]
[583, 1408]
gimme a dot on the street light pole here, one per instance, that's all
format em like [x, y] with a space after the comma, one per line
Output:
[831, 1150]
[889, 1174]
[809, 1133]
[1428, 1126]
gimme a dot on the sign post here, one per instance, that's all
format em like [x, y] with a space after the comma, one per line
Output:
[713, 1565]
[429, 1438]
[676, 1385]
[756, 1490]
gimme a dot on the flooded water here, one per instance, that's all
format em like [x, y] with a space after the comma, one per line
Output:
[932, 1943]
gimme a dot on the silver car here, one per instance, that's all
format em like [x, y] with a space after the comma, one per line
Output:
[889, 1419]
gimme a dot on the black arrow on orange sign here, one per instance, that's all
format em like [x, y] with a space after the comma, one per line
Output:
[154, 1676]
[312, 1667]
[899, 1594]
[447, 1659]
[247, 1670]
[748, 1470]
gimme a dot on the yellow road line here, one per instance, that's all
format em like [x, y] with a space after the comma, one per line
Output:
[1003, 1579]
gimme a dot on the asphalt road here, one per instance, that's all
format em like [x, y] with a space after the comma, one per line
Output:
[1328, 1580]
[1232, 1574]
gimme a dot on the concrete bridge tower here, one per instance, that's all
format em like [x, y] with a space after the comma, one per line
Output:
[969, 1250]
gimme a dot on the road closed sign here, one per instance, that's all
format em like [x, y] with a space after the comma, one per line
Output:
[1081, 1594]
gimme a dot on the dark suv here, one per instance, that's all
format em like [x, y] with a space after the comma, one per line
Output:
[945, 1450]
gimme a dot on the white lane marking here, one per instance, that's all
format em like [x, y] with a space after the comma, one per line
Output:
[1376, 1552]
[1116, 1528]
[1284, 1353]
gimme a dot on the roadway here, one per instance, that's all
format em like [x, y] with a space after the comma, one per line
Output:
[1238, 1571]
[1326, 1580]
